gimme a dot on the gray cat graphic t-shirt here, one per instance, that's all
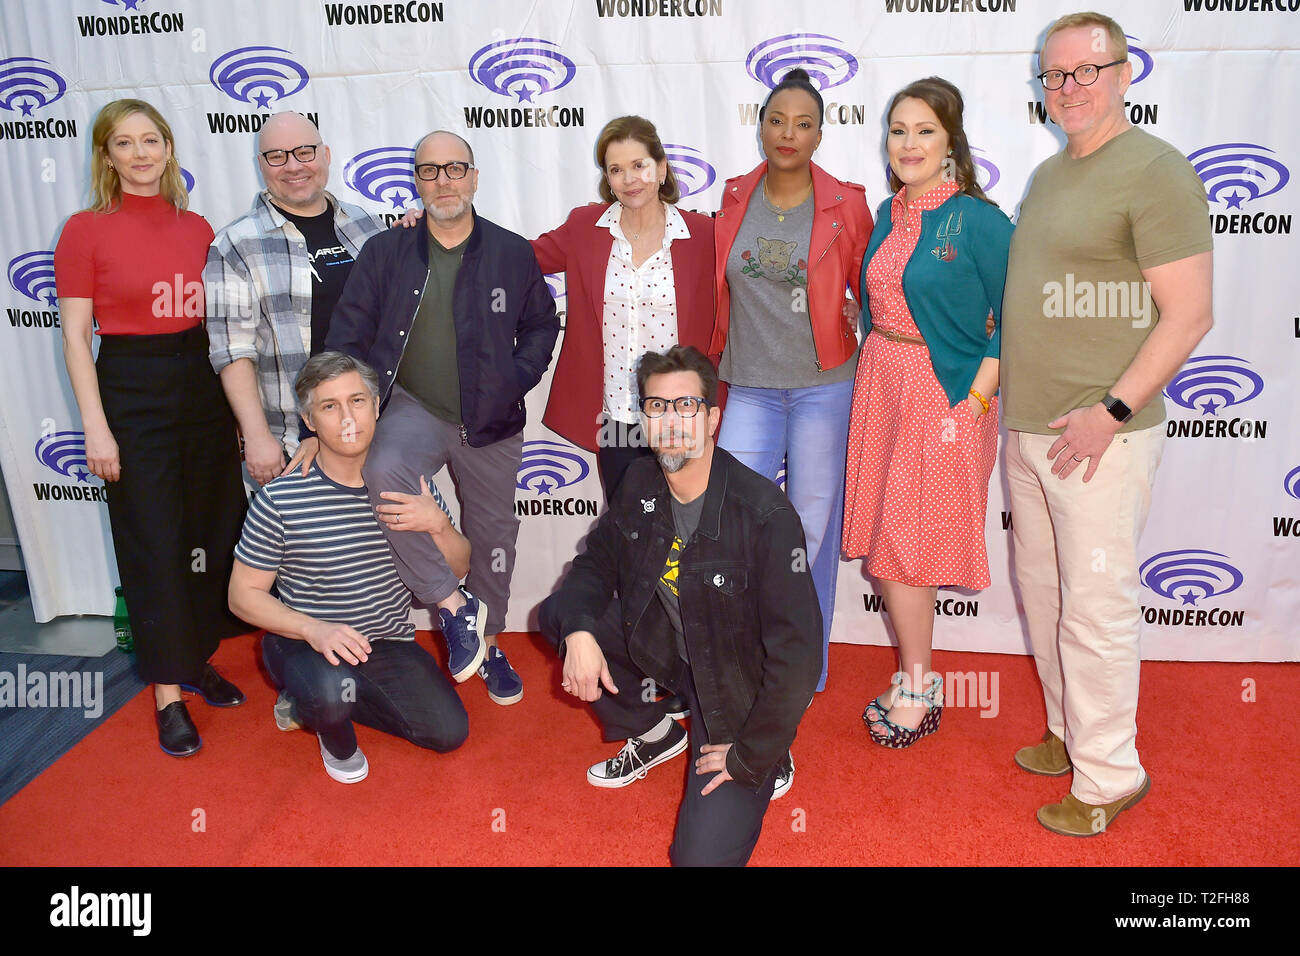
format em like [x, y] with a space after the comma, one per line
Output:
[770, 338]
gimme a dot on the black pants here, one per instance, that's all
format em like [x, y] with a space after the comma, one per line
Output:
[399, 689]
[612, 461]
[720, 829]
[178, 508]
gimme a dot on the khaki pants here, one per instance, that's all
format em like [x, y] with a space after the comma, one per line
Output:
[1077, 566]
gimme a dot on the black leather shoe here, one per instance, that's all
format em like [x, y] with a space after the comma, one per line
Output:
[177, 734]
[215, 689]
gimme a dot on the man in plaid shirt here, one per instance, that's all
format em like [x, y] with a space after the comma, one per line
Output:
[272, 279]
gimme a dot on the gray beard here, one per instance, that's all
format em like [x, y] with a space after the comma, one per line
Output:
[445, 215]
[673, 462]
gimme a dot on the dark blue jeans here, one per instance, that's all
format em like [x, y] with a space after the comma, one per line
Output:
[399, 689]
[720, 829]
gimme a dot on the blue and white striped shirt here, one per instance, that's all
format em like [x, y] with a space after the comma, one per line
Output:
[331, 558]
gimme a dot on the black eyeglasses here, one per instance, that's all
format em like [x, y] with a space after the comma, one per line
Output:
[429, 171]
[1084, 75]
[278, 157]
[688, 406]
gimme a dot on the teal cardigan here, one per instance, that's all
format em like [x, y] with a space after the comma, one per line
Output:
[951, 296]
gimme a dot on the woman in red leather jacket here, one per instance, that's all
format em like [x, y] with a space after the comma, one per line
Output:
[639, 276]
[789, 244]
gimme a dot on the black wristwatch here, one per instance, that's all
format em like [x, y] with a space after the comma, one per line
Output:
[1118, 410]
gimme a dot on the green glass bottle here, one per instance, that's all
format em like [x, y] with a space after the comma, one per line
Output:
[122, 625]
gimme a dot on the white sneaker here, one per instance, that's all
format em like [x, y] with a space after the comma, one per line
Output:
[352, 770]
[784, 780]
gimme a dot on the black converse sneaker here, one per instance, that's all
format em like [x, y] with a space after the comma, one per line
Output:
[636, 758]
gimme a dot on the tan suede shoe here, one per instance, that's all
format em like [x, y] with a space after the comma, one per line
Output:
[1048, 758]
[1073, 817]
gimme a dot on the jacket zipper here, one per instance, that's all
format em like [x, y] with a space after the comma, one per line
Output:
[818, 360]
[407, 337]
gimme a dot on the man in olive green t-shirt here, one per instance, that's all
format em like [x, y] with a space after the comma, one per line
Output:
[1108, 292]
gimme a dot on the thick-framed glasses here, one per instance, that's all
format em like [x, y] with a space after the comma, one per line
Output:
[1084, 75]
[278, 157]
[687, 406]
[429, 171]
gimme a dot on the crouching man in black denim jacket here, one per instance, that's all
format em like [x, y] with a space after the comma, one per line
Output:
[714, 602]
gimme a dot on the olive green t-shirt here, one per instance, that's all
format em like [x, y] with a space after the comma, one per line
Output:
[429, 370]
[1076, 309]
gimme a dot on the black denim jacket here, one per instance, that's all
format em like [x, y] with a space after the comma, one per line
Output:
[749, 610]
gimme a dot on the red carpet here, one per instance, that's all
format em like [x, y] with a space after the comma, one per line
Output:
[1223, 774]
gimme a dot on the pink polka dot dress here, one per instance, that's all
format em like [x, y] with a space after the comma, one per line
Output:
[918, 471]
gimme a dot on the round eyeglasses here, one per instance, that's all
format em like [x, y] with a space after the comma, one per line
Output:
[687, 406]
[1084, 75]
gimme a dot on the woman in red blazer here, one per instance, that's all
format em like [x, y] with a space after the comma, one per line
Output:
[789, 245]
[639, 274]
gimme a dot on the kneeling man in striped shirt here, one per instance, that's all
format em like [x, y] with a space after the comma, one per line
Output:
[340, 644]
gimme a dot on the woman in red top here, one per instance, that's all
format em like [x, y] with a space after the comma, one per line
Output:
[790, 240]
[158, 429]
[639, 276]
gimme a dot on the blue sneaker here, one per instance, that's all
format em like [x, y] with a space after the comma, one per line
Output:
[463, 632]
[503, 684]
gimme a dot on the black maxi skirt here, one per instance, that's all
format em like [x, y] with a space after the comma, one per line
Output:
[178, 508]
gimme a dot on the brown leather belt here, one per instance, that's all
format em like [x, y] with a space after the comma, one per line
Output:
[897, 336]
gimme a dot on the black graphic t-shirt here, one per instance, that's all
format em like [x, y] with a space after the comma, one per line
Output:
[331, 262]
[686, 518]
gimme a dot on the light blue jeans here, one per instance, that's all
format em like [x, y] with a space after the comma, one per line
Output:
[807, 429]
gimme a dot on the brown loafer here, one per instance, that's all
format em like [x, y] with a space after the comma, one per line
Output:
[1048, 758]
[1073, 817]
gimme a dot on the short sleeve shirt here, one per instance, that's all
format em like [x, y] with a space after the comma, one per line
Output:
[1076, 308]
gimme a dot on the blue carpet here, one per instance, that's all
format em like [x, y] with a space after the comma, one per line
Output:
[33, 737]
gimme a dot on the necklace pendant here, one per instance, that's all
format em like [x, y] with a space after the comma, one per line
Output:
[780, 218]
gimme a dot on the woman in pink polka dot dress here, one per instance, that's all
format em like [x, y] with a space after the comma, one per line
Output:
[923, 432]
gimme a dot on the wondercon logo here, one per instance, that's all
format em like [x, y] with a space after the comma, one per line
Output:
[987, 174]
[32, 274]
[556, 286]
[65, 453]
[693, 174]
[522, 68]
[827, 63]
[188, 178]
[1189, 575]
[548, 465]
[27, 84]
[1244, 168]
[1212, 382]
[258, 75]
[385, 175]
[125, 4]
[1144, 60]
[1291, 483]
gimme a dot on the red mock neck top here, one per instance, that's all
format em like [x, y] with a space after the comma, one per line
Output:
[119, 258]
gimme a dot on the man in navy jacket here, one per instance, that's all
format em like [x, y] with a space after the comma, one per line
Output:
[458, 322]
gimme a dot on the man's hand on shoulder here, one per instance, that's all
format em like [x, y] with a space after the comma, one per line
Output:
[305, 455]
[585, 670]
[333, 641]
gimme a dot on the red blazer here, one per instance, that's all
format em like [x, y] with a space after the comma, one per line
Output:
[581, 249]
[841, 228]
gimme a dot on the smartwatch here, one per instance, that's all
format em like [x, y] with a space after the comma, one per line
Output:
[1118, 410]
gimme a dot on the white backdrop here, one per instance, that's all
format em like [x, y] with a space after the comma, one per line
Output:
[530, 85]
